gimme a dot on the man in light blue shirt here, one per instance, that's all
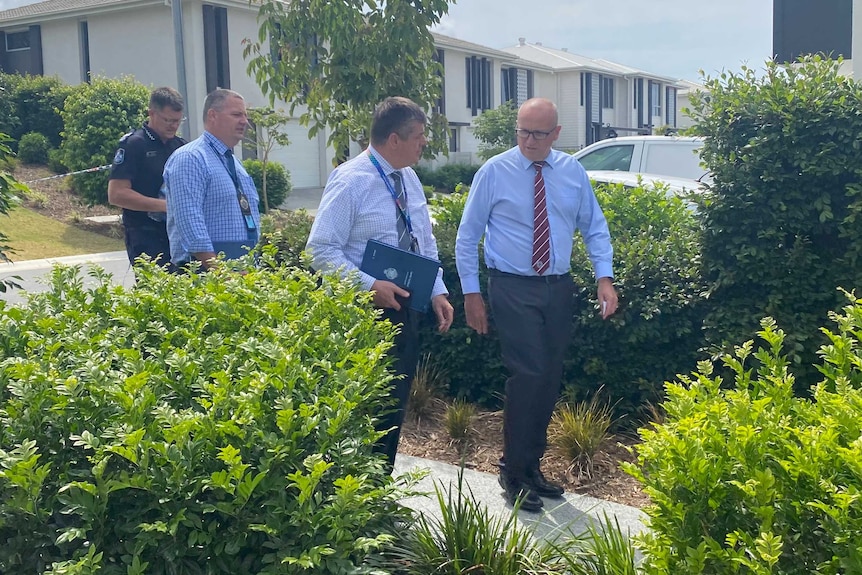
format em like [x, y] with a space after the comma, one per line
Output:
[528, 202]
[212, 202]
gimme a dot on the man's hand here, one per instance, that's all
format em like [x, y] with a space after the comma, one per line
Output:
[474, 309]
[385, 292]
[607, 298]
[444, 311]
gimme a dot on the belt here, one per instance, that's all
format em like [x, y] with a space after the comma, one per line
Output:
[548, 278]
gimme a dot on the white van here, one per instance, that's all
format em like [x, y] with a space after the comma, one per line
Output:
[675, 156]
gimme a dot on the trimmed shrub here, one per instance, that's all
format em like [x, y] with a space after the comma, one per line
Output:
[39, 101]
[214, 423]
[781, 219]
[277, 182]
[654, 335]
[744, 477]
[95, 116]
[33, 148]
[447, 177]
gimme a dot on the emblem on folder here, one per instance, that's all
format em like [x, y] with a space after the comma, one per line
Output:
[390, 273]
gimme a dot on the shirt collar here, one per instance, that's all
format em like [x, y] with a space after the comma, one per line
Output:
[219, 146]
[384, 165]
[150, 133]
[527, 164]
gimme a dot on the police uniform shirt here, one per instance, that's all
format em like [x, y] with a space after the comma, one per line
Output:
[141, 158]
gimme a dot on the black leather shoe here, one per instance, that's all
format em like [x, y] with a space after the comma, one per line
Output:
[516, 489]
[541, 486]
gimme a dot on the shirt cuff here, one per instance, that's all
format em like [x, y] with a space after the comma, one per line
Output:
[470, 284]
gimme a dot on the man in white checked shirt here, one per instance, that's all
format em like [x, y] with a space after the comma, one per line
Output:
[378, 196]
[528, 202]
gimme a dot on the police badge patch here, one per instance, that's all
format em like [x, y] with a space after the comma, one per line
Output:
[119, 156]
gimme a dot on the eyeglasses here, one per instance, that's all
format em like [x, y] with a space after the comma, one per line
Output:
[172, 121]
[537, 134]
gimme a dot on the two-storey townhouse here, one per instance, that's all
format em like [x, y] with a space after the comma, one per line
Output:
[596, 98]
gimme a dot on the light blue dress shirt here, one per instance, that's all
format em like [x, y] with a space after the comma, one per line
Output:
[202, 200]
[500, 207]
[357, 207]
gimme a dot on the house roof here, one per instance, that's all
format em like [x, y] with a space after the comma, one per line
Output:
[52, 9]
[562, 60]
[448, 42]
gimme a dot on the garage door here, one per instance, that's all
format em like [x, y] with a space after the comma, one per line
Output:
[301, 157]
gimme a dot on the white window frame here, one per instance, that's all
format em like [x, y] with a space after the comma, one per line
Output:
[655, 87]
[25, 33]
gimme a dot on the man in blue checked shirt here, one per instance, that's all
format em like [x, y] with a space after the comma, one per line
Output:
[377, 196]
[211, 200]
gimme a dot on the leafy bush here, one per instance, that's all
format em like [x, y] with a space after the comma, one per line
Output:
[55, 161]
[447, 177]
[277, 182]
[33, 148]
[781, 219]
[654, 335]
[95, 116]
[288, 232]
[39, 101]
[9, 121]
[748, 478]
[220, 423]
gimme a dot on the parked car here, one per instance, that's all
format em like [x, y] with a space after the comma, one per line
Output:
[675, 186]
[675, 156]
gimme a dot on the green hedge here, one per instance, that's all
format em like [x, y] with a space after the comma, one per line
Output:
[32, 104]
[447, 176]
[654, 335]
[95, 117]
[782, 217]
[744, 477]
[220, 423]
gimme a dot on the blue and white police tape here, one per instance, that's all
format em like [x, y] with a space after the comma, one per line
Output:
[87, 171]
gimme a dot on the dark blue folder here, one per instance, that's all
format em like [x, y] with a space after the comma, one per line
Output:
[413, 272]
[232, 250]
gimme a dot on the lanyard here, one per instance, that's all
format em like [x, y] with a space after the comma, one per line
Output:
[402, 210]
[241, 198]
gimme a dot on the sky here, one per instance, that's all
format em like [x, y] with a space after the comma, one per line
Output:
[675, 38]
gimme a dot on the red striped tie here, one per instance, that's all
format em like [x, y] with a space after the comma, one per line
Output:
[541, 230]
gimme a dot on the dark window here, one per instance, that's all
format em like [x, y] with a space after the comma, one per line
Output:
[582, 88]
[453, 139]
[17, 41]
[216, 59]
[609, 158]
[607, 92]
[440, 105]
[516, 85]
[478, 84]
[84, 41]
[670, 106]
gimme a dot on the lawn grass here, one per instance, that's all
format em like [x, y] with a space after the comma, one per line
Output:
[33, 236]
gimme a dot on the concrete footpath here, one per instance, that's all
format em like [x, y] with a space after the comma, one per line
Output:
[571, 513]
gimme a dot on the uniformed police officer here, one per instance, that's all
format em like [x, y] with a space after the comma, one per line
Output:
[136, 176]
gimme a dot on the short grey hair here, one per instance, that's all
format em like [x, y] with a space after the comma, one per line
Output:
[215, 100]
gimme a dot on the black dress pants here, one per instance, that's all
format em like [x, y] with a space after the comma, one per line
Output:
[405, 355]
[151, 240]
[533, 317]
